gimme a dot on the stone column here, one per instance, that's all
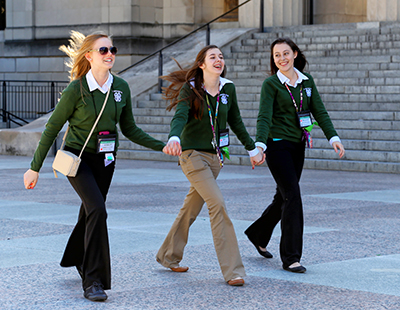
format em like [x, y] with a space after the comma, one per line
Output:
[276, 13]
[20, 16]
[383, 10]
[344, 11]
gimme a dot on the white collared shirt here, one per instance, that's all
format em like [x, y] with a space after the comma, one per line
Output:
[222, 82]
[284, 79]
[93, 85]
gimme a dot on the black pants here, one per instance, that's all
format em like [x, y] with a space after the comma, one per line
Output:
[285, 160]
[88, 246]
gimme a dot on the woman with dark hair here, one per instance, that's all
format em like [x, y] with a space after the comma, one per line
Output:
[288, 98]
[205, 103]
[91, 59]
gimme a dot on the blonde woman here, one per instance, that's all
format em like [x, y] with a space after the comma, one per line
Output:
[92, 58]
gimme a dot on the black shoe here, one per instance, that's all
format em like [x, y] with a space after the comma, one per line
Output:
[266, 254]
[298, 269]
[95, 292]
[79, 268]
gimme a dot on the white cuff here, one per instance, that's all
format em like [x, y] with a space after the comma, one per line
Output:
[334, 139]
[253, 152]
[260, 144]
[174, 138]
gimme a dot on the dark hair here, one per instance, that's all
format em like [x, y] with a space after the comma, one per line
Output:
[181, 77]
[299, 62]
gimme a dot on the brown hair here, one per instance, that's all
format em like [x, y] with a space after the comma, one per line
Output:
[79, 45]
[299, 62]
[180, 77]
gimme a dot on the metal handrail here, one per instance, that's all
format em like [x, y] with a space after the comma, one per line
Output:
[160, 58]
[7, 114]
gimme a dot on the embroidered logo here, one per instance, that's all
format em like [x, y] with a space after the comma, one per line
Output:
[224, 98]
[117, 95]
[308, 91]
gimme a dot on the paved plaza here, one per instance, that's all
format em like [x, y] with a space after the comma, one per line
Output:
[351, 241]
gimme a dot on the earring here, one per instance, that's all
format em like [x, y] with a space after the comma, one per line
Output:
[89, 59]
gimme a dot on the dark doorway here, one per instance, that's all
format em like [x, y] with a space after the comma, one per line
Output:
[2, 14]
[308, 12]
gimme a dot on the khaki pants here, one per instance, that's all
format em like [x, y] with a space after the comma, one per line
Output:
[202, 169]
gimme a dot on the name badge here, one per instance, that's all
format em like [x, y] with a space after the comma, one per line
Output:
[224, 137]
[304, 118]
[106, 143]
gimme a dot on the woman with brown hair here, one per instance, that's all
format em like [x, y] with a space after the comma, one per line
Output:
[288, 99]
[92, 58]
[205, 103]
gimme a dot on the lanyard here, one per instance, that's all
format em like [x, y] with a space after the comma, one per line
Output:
[213, 125]
[294, 101]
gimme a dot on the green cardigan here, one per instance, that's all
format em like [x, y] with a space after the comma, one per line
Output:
[277, 117]
[80, 108]
[196, 133]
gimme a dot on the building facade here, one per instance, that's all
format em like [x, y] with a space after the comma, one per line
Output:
[32, 30]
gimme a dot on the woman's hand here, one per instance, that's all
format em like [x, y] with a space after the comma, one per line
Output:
[30, 179]
[258, 159]
[173, 148]
[338, 147]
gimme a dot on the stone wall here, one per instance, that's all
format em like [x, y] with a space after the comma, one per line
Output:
[341, 11]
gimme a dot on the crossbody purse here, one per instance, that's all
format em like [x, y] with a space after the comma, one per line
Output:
[68, 163]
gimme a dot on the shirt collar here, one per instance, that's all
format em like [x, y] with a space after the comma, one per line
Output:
[222, 82]
[284, 79]
[93, 85]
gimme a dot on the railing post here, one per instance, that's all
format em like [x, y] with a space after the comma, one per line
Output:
[261, 16]
[53, 95]
[160, 71]
[208, 35]
[4, 101]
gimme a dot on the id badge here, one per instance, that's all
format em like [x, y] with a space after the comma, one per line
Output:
[106, 143]
[224, 137]
[304, 118]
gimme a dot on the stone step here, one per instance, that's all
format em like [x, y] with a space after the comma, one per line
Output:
[365, 124]
[151, 104]
[364, 145]
[150, 128]
[165, 120]
[362, 106]
[353, 98]
[357, 155]
[349, 165]
[342, 89]
[162, 112]
[334, 43]
[363, 135]
[322, 51]
[365, 116]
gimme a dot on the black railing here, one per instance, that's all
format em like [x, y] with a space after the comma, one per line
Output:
[207, 25]
[22, 101]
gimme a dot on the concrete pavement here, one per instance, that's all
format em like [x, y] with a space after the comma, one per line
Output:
[351, 241]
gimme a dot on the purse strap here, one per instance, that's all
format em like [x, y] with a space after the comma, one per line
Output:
[91, 131]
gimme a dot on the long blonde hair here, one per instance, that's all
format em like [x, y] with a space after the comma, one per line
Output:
[79, 45]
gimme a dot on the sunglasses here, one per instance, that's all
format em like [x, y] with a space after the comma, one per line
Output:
[104, 50]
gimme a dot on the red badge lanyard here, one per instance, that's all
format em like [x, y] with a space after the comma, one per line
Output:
[294, 101]
[306, 134]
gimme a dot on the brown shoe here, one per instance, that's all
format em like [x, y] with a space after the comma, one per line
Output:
[179, 269]
[236, 282]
